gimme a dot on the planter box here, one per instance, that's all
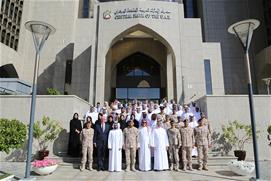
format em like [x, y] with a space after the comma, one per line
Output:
[241, 167]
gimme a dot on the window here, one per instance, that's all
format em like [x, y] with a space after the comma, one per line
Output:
[9, 25]
[68, 74]
[138, 93]
[85, 8]
[208, 77]
[14, 29]
[2, 6]
[16, 44]
[12, 42]
[137, 73]
[190, 8]
[3, 36]
[11, 10]
[7, 39]
[15, 14]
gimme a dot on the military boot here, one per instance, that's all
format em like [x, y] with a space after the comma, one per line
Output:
[184, 167]
[90, 167]
[205, 167]
[82, 167]
[133, 168]
[171, 167]
[127, 168]
[200, 167]
[177, 167]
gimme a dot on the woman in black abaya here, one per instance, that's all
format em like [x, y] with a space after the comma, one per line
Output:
[74, 148]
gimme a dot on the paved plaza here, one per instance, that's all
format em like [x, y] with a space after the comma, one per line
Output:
[218, 170]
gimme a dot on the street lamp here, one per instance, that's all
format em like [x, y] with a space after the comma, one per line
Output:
[40, 32]
[243, 30]
[267, 82]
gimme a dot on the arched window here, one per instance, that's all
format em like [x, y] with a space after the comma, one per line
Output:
[15, 14]
[3, 36]
[19, 17]
[16, 44]
[17, 32]
[14, 29]
[11, 10]
[9, 25]
[5, 22]
[6, 7]
[2, 6]
[7, 39]
[21, 3]
[12, 41]
[138, 77]
[1, 18]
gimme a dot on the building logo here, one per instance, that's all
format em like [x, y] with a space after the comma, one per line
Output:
[107, 15]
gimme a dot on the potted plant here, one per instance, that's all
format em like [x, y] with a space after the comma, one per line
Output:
[45, 132]
[44, 167]
[269, 134]
[238, 134]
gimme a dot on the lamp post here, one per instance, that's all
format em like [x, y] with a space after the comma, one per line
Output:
[40, 33]
[267, 82]
[243, 30]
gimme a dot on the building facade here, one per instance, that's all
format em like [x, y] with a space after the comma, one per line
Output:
[119, 49]
[135, 49]
[216, 17]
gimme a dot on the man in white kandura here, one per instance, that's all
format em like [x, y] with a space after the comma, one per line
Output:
[159, 141]
[144, 152]
[115, 142]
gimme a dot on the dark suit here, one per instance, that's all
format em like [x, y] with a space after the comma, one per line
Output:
[101, 140]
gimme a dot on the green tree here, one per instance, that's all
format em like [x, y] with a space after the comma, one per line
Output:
[237, 134]
[46, 131]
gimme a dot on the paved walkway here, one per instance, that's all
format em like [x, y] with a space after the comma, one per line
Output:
[218, 170]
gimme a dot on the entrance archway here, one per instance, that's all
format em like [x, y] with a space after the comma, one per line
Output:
[140, 41]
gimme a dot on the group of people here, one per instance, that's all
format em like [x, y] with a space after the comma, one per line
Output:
[151, 134]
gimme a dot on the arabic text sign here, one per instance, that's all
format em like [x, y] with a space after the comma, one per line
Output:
[132, 13]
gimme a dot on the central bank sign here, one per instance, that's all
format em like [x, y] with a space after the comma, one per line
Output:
[136, 13]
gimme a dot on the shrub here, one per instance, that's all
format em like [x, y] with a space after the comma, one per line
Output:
[52, 91]
[12, 134]
[46, 131]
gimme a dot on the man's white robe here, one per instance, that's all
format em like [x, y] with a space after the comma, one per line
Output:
[115, 142]
[93, 115]
[144, 152]
[159, 140]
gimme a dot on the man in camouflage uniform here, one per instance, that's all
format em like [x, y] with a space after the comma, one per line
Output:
[187, 137]
[203, 142]
[174, 138]
[130, 138]
[87, 145]
[206, 122]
